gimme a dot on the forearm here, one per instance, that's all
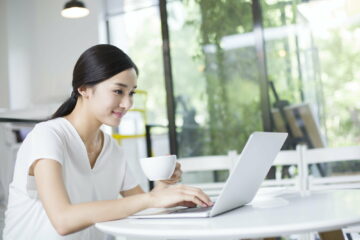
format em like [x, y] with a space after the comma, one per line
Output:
[79, 216]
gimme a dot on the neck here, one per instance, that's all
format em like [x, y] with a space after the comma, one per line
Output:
[87, 126]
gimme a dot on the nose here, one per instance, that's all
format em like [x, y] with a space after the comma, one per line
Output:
[126, 102]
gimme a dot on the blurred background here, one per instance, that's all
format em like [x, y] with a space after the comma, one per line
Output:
[211, 73]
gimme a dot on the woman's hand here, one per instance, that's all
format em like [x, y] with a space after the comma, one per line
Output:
[175, 177]
[178, 195]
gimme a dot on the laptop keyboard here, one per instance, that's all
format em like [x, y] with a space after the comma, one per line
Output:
[190, 210]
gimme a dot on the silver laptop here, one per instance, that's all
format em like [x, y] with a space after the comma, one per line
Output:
[242, 184]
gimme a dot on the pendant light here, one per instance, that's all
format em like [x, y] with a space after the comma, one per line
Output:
[74, 9]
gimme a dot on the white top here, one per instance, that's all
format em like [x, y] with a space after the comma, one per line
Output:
[264, 217]
[57, 139]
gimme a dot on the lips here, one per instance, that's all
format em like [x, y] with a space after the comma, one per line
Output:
[118, 114]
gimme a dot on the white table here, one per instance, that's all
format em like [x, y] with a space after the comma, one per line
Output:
[263, 218]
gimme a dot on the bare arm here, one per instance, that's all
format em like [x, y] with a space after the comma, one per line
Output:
[134, 191]
[67, 217]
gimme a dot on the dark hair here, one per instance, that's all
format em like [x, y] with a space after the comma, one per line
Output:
[95, 65]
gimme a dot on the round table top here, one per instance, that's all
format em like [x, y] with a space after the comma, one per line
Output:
[288, 213]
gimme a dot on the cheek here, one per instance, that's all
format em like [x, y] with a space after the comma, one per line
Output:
[103, 103]
[111, 101]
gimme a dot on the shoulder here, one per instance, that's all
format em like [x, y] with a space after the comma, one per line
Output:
[51, 124]
[46, 140]
[48, 129]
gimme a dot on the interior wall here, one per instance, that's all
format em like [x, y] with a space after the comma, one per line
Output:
[20, 39]
[59, 43]
[4, 86]
[43, 48]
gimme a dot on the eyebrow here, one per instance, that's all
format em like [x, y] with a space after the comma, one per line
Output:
[123, 85]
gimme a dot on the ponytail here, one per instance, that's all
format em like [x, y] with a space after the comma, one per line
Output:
[67, 107]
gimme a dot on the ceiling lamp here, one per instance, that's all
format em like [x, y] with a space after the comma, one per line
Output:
[74, 9]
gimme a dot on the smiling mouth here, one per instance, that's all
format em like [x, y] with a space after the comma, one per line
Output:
[118, 114]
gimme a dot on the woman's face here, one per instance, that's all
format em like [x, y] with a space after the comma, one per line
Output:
[110, 100]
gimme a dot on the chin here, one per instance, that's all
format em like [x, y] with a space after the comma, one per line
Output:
[112, 122]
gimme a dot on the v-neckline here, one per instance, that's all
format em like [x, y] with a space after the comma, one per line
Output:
[73, 129]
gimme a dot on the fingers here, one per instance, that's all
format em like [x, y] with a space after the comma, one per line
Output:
[205, 200]
[168, 182]
[177, 172]
[174, 179]
[176, 175]
[178, 166]
[195, 200]
[195, 195]
[187, 204]
[178, 195]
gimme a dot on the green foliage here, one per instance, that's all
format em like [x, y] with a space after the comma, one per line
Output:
[231, 76]
[223, 18]
[339, 56]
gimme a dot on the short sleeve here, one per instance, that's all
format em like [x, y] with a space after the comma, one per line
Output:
[45, 142]
[129, 180]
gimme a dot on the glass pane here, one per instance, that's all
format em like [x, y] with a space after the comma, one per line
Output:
[311, 56]
[294, 75]
[281, 48]
[311, 51]
[335, 34]
[215, 75]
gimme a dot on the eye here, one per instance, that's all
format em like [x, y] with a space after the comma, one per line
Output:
[132, 93]
[119, 92]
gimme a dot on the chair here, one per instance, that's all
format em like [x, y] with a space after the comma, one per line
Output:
[330, 155]
[349, 181]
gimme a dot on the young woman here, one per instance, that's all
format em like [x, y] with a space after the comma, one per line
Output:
[69, 173]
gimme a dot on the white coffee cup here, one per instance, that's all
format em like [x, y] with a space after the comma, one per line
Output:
[158, 168]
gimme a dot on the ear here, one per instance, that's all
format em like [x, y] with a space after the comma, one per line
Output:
[83, 91]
